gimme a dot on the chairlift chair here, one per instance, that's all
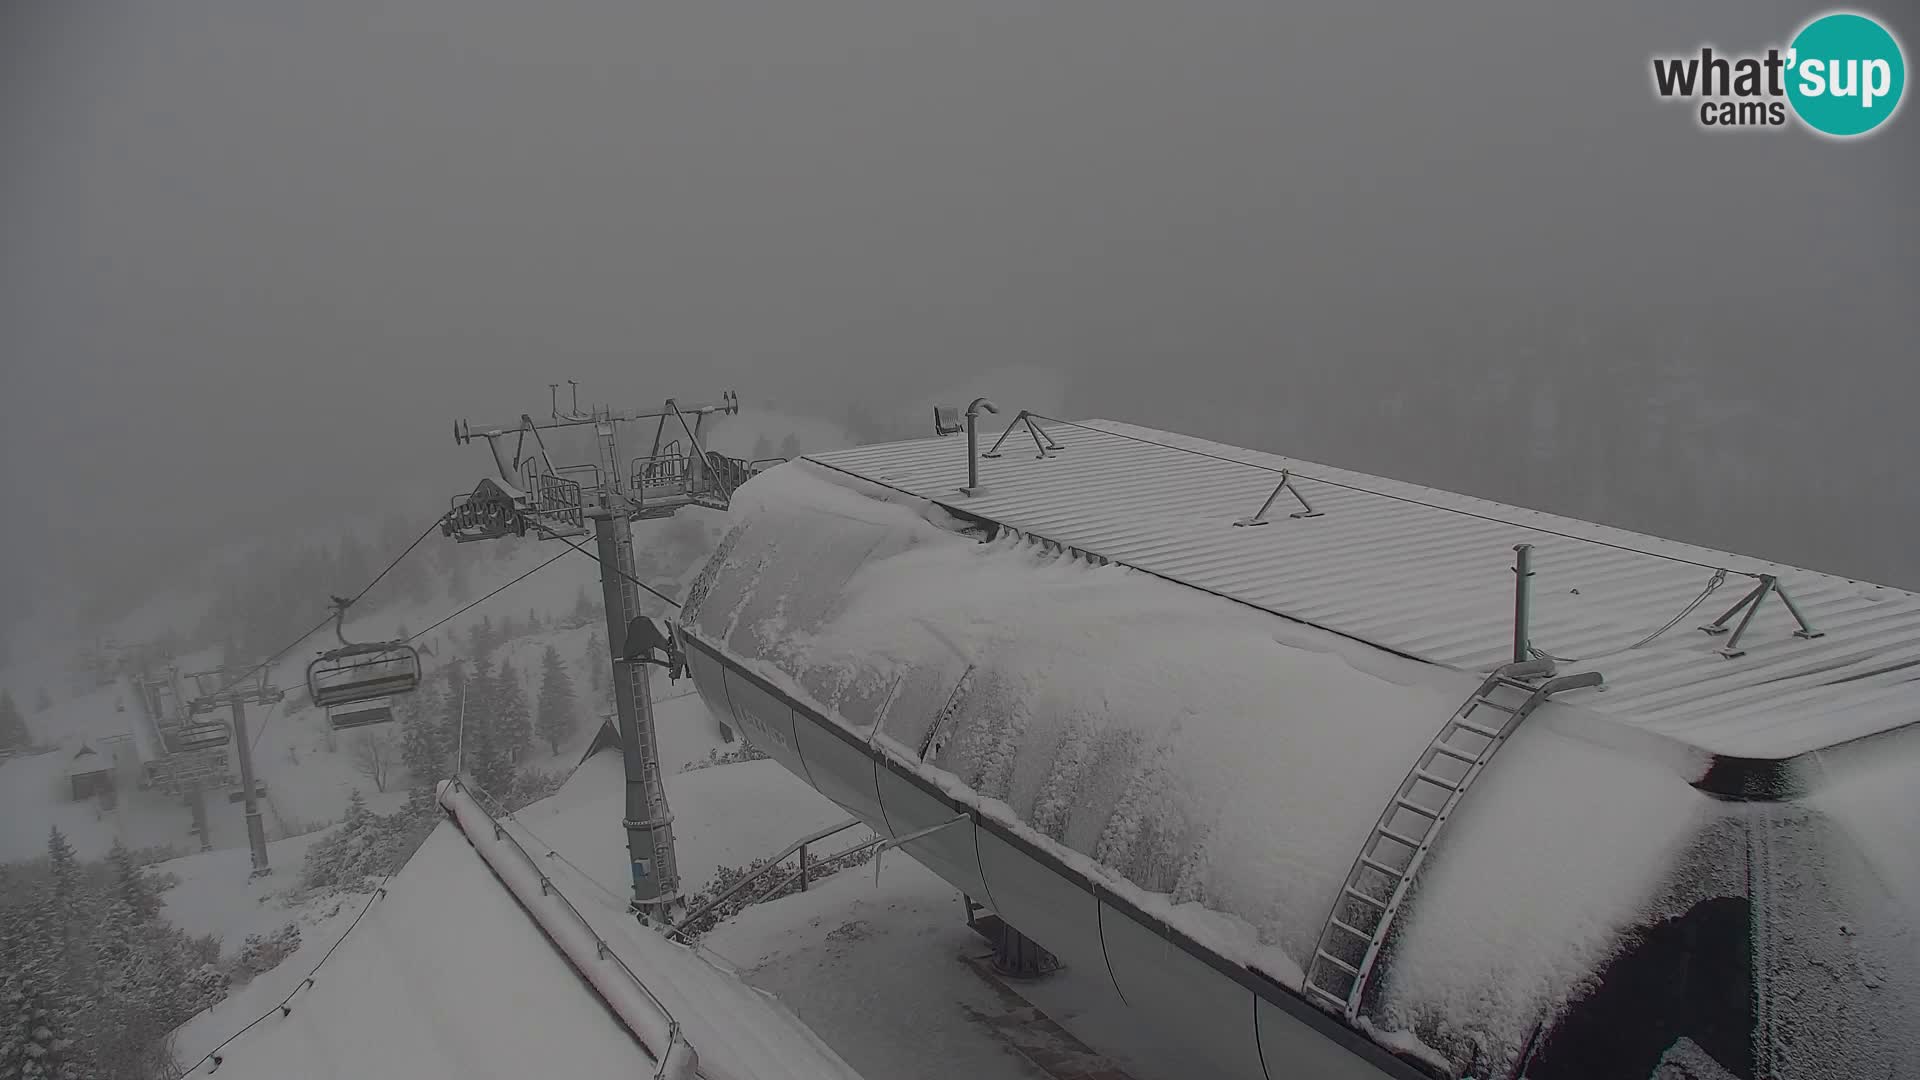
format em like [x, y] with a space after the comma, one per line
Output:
[360, 714]
[207, 736]
[355, 681]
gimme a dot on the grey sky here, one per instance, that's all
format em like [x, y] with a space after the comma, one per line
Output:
[255, 257]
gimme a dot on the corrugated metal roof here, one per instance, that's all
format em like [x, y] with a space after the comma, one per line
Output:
[1428, 573]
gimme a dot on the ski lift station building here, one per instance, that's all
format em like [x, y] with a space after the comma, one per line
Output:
[1232, 745]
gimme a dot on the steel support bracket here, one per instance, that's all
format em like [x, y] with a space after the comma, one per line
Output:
[1748, 606]
[1286, 484]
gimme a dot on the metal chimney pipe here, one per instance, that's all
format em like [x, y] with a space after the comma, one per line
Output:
[1522, 570]
[973, 441]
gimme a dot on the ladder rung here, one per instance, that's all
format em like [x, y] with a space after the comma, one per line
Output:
[1392, 871]
[1336, 962]
[1436, 780]
[1407, 804]
[1337, 999]
[1400, 839]
[1485, 703]
[1358, 895]
[1485, 733]
[1363, 935]
[1454, 752]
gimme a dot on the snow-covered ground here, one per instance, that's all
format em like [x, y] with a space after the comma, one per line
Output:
[217, 894]
[878, 970]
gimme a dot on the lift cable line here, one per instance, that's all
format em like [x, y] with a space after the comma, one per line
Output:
[462, 611]
[332, 617]
[616, 569]
[557, 556]
[317, 627]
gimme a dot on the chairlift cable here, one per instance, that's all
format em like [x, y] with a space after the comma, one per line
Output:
[557, 556]
[317, 627]
[265, 719]
[617, 570]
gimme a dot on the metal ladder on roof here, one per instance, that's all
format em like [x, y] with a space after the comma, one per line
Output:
[1376, 887]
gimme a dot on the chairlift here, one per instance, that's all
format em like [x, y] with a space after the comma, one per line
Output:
[360, 714]
[361, 672]
[207, 736]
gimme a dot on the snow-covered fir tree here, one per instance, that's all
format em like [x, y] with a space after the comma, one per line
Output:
[599, 665]
[131, 886]
[513, 719]
[489, 759]
[13, 726]
[559, 713]
[425, 740]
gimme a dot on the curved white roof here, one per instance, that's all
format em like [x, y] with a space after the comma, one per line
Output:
[1428, 573]
[1220, 765]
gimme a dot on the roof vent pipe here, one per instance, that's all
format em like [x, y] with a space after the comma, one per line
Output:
[946, 422]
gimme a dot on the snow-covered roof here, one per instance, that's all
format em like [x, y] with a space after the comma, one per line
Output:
[448, 975]
[1429, 574]
[1213, 767]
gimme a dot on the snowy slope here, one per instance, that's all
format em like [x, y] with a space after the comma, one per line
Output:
[444, 977]
[35, 797]
[217, 894]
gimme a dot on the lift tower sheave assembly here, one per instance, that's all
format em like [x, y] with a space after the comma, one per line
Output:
[533, 495]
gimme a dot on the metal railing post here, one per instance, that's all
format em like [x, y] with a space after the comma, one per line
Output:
[1522, 570]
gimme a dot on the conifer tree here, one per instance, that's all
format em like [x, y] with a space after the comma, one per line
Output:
[513, 718]
[488, 758]
[459, 579]
[598, 664]
[141, 899]
[425, 740]
[13, 726]
[559, 713]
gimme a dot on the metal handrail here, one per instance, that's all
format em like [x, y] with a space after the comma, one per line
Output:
[805, 868]
[771, 865]
[547, 887]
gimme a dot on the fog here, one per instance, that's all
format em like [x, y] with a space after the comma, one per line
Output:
[255, 258]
